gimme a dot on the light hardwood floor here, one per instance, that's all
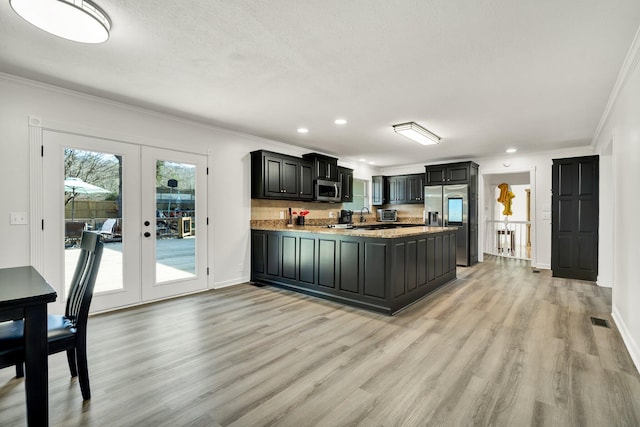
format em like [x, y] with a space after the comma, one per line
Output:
[500, 346]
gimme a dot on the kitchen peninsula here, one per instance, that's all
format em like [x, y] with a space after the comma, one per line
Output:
[383, 270]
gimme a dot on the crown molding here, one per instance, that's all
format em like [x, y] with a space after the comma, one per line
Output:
[628, 67]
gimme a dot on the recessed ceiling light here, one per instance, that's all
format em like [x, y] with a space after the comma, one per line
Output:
[372, 163]
[303, 130]
[363, 160]
[511, 150]
[77, 20]
[340, 122]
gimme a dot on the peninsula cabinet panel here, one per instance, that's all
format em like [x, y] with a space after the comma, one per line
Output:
[445, 254]
[349, 266]
[375, 273]
[307, 260]
[452, 252]
[289, 257]
[411, 266]
[431, 259]
[421, 260]
[399, 274]
[439, 256]
[327, 253]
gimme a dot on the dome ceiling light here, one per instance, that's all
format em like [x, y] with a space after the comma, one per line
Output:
[77, 20]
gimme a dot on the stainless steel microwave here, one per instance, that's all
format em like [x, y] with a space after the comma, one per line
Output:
[327, 191]
[387, 215]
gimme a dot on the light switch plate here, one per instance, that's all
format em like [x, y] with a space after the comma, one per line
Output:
[18, 218]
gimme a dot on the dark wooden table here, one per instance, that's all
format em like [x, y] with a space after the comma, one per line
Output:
[25, 294]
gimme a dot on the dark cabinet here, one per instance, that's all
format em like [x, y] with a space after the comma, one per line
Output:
[305, 183]
[345, 176]
[325, 167]
[277, 176]
[378, 190]
[397, 189]
[452, 173]
[384, 275]
[415, 188]
[406, 189]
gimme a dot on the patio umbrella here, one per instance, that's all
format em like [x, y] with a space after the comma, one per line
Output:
[78, 186]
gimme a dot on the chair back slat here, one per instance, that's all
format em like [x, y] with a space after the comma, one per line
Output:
[84, 278]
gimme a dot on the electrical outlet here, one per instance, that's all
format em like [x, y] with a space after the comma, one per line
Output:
[18, 218]
[240, 267]
[281, 214]
[331, 215]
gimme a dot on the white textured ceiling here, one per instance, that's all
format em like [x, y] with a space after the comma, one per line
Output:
[482, 74]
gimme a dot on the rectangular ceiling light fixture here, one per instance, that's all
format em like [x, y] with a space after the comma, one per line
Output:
[416, 133]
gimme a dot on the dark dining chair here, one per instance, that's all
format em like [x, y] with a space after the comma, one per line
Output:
[68, 332]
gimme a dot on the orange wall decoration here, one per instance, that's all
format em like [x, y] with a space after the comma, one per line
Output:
[505, 198]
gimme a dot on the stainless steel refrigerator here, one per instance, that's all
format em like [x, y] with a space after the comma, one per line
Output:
[448, 206]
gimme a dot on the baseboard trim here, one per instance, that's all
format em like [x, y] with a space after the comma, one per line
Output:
[632, 346]
[230, 282]
[543, 266]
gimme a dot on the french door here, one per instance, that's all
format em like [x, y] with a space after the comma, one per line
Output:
[148, 204]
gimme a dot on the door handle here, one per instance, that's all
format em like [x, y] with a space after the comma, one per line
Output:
[147, 234]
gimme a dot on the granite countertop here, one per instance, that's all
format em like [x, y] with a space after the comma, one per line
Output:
[389, 233]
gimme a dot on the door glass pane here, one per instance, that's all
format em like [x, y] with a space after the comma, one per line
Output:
[175, 221]
[93, 201]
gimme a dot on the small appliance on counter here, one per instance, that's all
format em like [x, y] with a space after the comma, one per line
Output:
[387, 215]
[346, 217]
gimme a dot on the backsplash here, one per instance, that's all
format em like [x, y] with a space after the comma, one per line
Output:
[270, 210]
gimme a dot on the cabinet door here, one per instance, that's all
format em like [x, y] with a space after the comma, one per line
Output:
[272, 177]
[436, 174]
[305, 182]
[397, 189]
[289, 183]
[326, 170]
[378, 190]
[345, 176]
[458, 174]
[415, 188]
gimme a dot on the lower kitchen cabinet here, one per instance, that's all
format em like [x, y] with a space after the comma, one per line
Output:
[380, 274]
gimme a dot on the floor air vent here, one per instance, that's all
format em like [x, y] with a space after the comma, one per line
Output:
[535, 271]
[599, 322]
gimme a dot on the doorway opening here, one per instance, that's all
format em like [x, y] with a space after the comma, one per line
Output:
[507, 216]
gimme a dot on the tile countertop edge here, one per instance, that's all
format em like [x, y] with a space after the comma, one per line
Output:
[383, 234]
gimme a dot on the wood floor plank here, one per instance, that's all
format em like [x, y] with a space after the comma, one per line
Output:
[499, 346]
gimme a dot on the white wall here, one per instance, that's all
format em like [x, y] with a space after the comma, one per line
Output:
[541, 164]
[621, 124]
[229, 179]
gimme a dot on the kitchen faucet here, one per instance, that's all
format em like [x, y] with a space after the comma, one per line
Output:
[361, 215]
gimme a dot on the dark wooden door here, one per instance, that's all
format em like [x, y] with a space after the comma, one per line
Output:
[574, 228]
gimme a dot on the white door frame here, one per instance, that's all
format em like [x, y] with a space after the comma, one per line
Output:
[481, 205]
[36, 126]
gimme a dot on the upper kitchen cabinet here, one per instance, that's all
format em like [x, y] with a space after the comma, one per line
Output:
[415, 188]
[324, 167]
[406, 189]
[345, 176]
[451, 173]
[305, 181]
[277, 176]
[378, 190]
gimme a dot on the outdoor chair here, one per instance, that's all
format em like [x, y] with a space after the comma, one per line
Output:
[68, 332]
[108, 230]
